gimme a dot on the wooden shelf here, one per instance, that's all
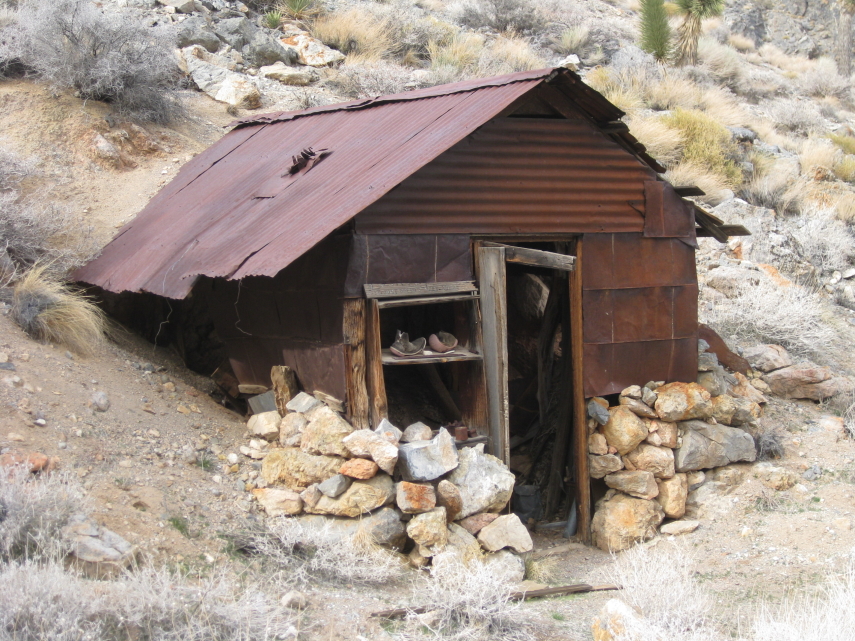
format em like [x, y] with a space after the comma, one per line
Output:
[459, 354]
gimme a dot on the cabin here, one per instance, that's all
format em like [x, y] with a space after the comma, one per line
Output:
[516, 213]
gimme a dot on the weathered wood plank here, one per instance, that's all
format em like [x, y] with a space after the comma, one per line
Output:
[394, 290]
[459, 354]
[354, 338]
[284, 386]
[426, 300]
[579, 442]
[537, 257]
[495, 337]
[378, 408]
[449, 407]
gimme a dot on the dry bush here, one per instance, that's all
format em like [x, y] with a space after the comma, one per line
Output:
[542, 570]
[762, 311]
[723, 61]
[518, 16]
[721, 105]
[355, 32]
[846, 143]
[576, 39]
[659, 583]
[663, 142]
[740, 42]
[771, 183]
[824, 240]
[824, 616]
[461, 52]
[33, 511]
[795, 64]
[845, 168]
[371, 79]
[622, 89]
[706, 144]
[817, 153]
[672, 91]
[845, 207]
[769, 443]
[799, 116]
[469, 601]
[49, 310]
[759, 83]
[45, 601]
[304, 552]
[107, 56]
[686, 174]
[508, 55]
[823, 80]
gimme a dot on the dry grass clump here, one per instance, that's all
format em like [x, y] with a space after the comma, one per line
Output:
[706, 144]
[366, 80]
[469, 601]
[845, 168]
[33, 511]
[799, 116]
[817, 153]
[623, 89]
[824, 240]
[769, 53]
[763, 311]
[297, 9]
[508, 55]
[846, 143]
[771, 184]
[769, 443]
[48, 310]
[468, 55]
[518, 16]
[45, 601]
[723, 61]
[685, 174]
[663, 142]
[823, 80]
[356, 33]
[459, 53]
[576, 39]
[740, 42]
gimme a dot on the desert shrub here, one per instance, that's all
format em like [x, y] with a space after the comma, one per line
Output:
[412, 34]
[798, 116]
[49, 310]
[845, 207]
[655, 37]
[576, 39]
[740, 42]
[663, 142]
[714, 186]
[458, 54]
[672, 91]
[845, 168]
[623, 89]
[45, 601]
[508, 55]
[817, 153]
[34, 510]
[356, 33]
[302, 552]
[372, 79]
[769, 443]
[796, 64]
[846, 143]
[823, 80]
[706, 144]
[723, 61]
[469, 601]
[824, 240]
[298, 9]
[762, 311]
[273, 19]
[112, 57]
[501, 15]
[659, 582]
[770, 184]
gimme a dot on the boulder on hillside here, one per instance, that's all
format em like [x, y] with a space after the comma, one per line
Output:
[768, 358]
[100, 553]
[310, 51]
[195, 30]
[706, 446]
[807, 381]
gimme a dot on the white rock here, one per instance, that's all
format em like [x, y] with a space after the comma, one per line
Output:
[311, 51]
[368, 444]
[505, 532]
[281, 72]
[417, 432]
[679, 527]
[485, 483]
[389, 432]
[302, 402]
[505, 566]
[428, 460]
[265, 425]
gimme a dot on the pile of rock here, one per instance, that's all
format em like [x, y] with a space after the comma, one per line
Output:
[650, 449]
[414, 489]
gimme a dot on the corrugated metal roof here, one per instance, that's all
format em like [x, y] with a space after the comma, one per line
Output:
[235, 211]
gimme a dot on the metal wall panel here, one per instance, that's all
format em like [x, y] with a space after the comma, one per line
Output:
[619, 261]
[519, 176]
[612, 367]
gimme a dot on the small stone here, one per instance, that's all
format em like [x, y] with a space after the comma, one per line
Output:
[415, 498]
[428, 460]
[311, 495]
[416, 560]
[658, 460]
[618, 621]
[416, 432]
[232, 458]
[291, 429]
[265, 425]
[389, 432]
[774, 477]
[507, 531]
[277, 502]
[448, 496]
[672, 495]
[695, 479]
[639, 483]
[311, 51]
[661, 434]
[302, 403]
[293, 600]
[360, 468]
[100, 402]
[648, 396]
[813, 473]
[675, 528]
[365, 443]
[597, 411]
[597, 444]
[600, 466]
[335, 485]
[683, 401]
[429, 530]
[475, 523]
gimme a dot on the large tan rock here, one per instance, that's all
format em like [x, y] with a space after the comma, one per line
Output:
[463, 543]
[637, 407]
[360, 468]
[507, 531]
[661, 433]
[430, 531]
[361, 497]
[744, 389]
[597, 444]
[600, 466]
[277, 502]
[672, 495]
[368, 444]
[265, 425]
[639, 483]
[288, 75]
[448, 496]
[291, 429]
[619, 622]
[621, 521]
[676, 528]
[768, 358]
[415, 498]
[724, 407]
[809, 382]
[658, 460]
[325, 434]
[485, 483]
[624, 430]
[682, 401]
[746, 413]
[297, 470]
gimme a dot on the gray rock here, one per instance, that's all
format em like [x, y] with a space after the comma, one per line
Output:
[261, 50]
[707, 446]
[505, 566]
[598, 412]
[236, 32]
[707, 361]
[812, 473]
[98, 551]
[195, 30]
[100, 402]
[181, 6]
[638, 483]
[485, 483]
[428, 460]
[768, 358]
[385, 430]
[384, 527]
[742, 134]
[302, 403]
[293, 600]
[714, 381]
[335, 485]
[600, 466]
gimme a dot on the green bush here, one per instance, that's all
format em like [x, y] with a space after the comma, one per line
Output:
[655, 30]
[706, 143]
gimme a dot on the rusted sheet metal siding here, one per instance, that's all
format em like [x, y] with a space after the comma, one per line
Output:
[519, 175]
[640, 311]
[231, 213]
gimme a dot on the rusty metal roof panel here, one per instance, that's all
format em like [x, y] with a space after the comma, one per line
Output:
[234, 211]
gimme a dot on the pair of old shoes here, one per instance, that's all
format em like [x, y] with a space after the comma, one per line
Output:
[441, 342]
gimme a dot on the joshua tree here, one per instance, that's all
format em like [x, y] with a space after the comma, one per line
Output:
[655, 30]
[844, 38]
[694, 13]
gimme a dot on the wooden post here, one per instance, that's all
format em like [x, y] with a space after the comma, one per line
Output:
[377, 406]
[493, 286]
[354, 338]
[284, 386]
[579, 443]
